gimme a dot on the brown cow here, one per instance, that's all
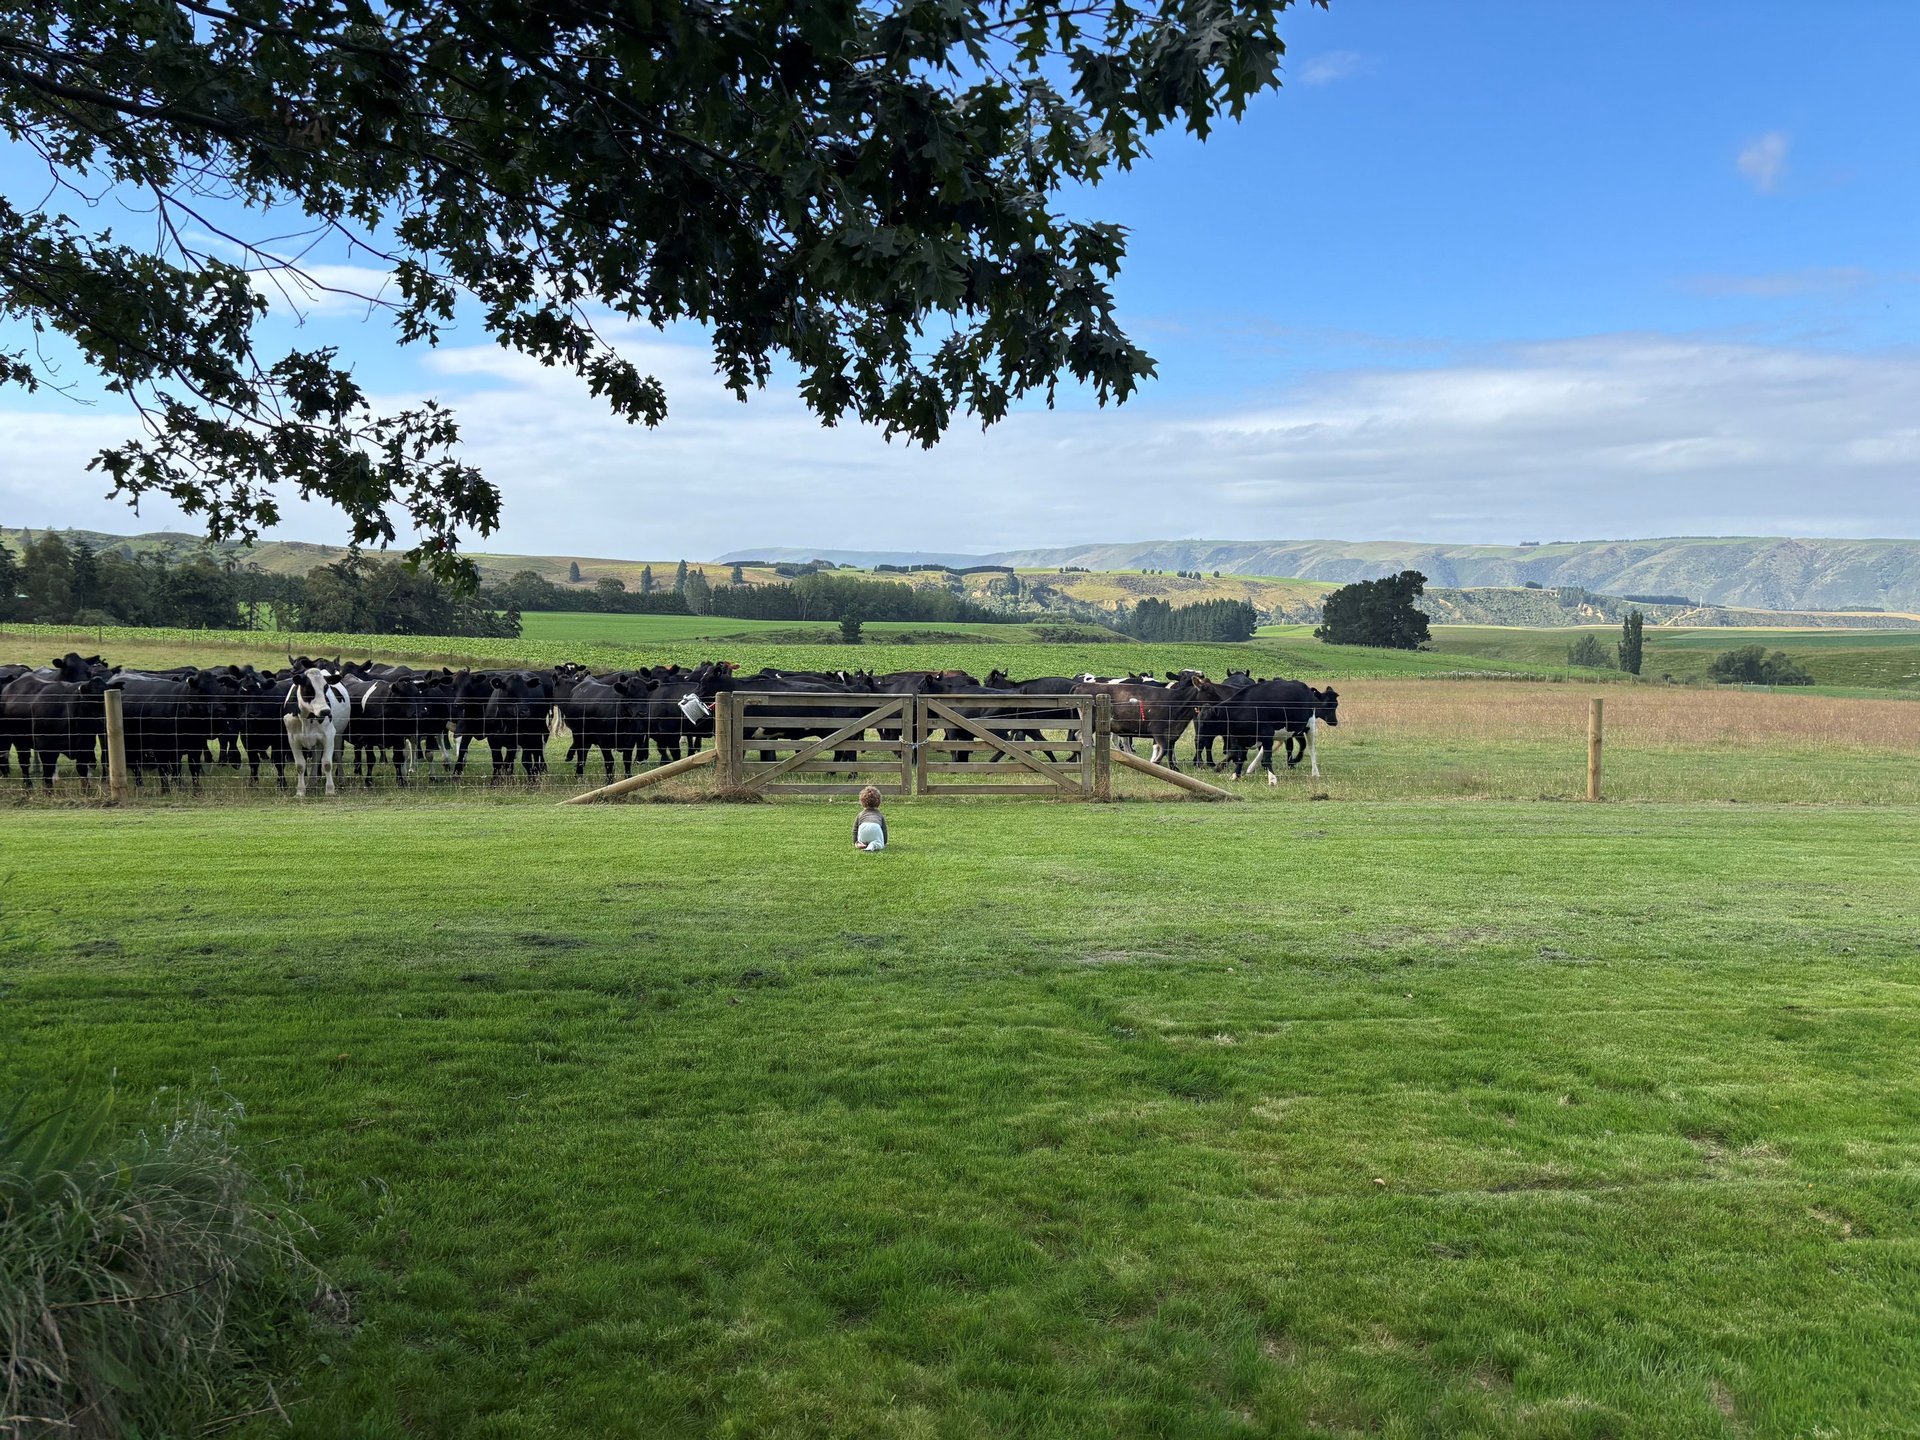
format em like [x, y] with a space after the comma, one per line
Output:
[1158, 712]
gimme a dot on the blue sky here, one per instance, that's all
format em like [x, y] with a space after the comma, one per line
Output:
[1482, 271]
[1472, 174]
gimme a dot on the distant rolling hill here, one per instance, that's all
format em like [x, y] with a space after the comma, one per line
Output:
[1113, 574]
[1764, 573]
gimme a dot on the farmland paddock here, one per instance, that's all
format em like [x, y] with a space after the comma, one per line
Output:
[1400, 739]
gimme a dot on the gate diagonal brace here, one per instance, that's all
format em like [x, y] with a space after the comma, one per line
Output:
[814, 747]
[1032, 762]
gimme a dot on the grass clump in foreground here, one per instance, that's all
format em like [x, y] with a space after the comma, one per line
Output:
[142, 1278]
[1052, 1120]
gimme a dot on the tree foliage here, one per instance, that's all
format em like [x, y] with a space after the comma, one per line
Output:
[823, 595]
[698, 593]
[1376, 612]
[868, 190]
[379, 596]
[55, 582]
[527, 590]
[1588, 653]
[1756, 665]
[1222, 621]
[1632, 642]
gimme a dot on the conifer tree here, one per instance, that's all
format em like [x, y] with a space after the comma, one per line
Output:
[1630, 642]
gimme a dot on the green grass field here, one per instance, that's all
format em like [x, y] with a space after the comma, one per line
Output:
[1850, 659]
[1493, 1120]
[1858, 661]
[645, 631]
[1020, 656]
[587, 627]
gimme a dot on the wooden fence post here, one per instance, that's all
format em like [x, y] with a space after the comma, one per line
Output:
[116, 747]
[1595, 731]
[1103, 747]
[726, 739]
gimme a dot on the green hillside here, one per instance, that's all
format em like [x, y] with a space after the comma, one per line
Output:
[297, 557]
[1259, 575]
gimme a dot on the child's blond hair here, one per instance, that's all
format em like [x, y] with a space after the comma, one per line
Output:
[870, 798]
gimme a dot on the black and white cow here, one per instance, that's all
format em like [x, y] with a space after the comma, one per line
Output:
[1289, 709]
[316, 714]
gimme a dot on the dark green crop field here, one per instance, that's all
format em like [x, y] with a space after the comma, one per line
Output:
[1177, 1120]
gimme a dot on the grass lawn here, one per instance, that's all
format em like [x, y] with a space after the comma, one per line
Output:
[1439, 1119]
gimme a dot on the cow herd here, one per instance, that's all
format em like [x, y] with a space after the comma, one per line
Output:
[314, 714]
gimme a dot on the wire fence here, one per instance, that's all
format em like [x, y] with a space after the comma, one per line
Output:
[319, 727]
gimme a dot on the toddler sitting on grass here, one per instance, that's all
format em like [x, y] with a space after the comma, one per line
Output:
[870, 826]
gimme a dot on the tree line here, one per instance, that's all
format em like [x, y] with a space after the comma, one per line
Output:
[526, 590]
[1217, 621]
[54, 582]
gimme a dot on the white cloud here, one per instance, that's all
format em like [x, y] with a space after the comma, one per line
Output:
[1612, 435]
[314, 290]
[1764, 161]
[1818, 280]
[1326, 68]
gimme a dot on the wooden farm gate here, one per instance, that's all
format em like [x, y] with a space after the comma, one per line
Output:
[997, 745]
[776, 743]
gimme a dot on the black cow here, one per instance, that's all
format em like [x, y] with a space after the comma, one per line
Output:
[457, 701]
[170, 719]
[515, 722]
[51, 712]
[1210, 725]
[1284, 708]
[813, 721]
[610, 713]
[1067, 715]
[20, 699]
[390, 716]
[680, 710]
[254, 715]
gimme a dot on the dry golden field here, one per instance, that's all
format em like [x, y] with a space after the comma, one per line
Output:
[1416, 739]
[1656, 715]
